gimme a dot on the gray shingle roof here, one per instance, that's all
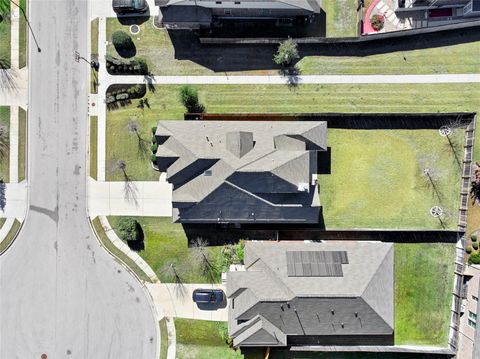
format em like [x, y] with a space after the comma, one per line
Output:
[246, 156]
[358, 303]
[310, 5]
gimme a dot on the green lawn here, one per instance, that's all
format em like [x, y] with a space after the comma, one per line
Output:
[5, 161]
[377, 179]
[342, 17]
[200, 339]
[423, 287]
[276, 99]
[163, 338]
[22, 144]
[93, 147]
[165, 244]
[22, 39]
[10, 236]
[94, 52]
[100, 233]
[5, 43]
[156, 47]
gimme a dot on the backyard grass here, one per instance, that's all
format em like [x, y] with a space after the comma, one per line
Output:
[155, 46]
[22, 39]
[200, 339]
[342, 17]
[377, 179]
[22, 144]
[117, 252]
[276, 99]
[423, 287]
[94, 53]
[10, 236]
[5, 42]
[163, 338]
[5, 161]
[93, 147]
[165, 244]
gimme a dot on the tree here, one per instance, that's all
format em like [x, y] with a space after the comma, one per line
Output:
[130, 229]
[188, 96]
[287, 53]
[474, 258]
[203, 259]
[142, 144]
[122, 41]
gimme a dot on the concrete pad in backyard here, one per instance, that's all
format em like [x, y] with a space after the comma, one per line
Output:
[176, 301]
[144, 199]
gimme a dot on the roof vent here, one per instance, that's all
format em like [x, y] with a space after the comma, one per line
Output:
[303, 187]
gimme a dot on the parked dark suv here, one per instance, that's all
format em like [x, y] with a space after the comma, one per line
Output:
[208, 296]
[129, 6]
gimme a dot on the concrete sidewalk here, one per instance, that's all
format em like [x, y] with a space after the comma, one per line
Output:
[306, 79]
[142, 199]
[176, 301]
[16, 201]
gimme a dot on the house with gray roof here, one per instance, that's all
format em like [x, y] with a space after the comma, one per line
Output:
[242, 171]
[331, 293]
[197, 14]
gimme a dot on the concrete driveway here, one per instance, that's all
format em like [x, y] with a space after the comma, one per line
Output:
[176, 301]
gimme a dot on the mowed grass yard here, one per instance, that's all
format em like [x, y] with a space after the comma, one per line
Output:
[5, 42]
[377, 179]
[342, 17]
[155, 46]
[165, 244]
[5, 161]
[423, 287]
[200, 339]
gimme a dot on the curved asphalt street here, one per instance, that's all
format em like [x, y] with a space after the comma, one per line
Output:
[61, 294]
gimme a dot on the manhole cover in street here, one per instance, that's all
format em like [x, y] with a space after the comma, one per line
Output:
[436, 211]
[44, 356]
[445, 131]
[134, 29]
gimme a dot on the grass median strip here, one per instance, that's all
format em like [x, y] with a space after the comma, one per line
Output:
[12, 233]
[94, 53]
[22, 144]
[22, 36]
[163, 338]
[117, 252]
[93, 146]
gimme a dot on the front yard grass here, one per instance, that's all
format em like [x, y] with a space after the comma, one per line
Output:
[155, 46]
[93, 146]
[22, 36]
[165, 244]
[5, 56]
[200, 339]
[342, 17]
[377, 179]
[22, 144]
[5, 161]
[423, 292]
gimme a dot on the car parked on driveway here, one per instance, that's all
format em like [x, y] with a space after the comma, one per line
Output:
[208, 296]
[129, 6]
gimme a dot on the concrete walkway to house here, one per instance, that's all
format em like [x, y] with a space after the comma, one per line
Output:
[176, 301]
[129, 198]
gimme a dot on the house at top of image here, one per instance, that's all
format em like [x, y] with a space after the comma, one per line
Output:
[425, 13]
[242, 171]
[291, 294]
[203, 14]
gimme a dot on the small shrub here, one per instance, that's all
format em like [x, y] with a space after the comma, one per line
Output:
[287, 53]
[377, 22]
[154, 148]
[188, 96]
[223, 333]
[129, 229]
[475, 245]
[153, 158]
[469, 249]
[240, 250]
[474, 258]
[154, 139]
[122, 41]
[473, 237]
[154, 129]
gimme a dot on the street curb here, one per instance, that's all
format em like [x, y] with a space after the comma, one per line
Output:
[142, 284]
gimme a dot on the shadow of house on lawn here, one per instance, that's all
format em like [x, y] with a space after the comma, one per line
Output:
[248, 57]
